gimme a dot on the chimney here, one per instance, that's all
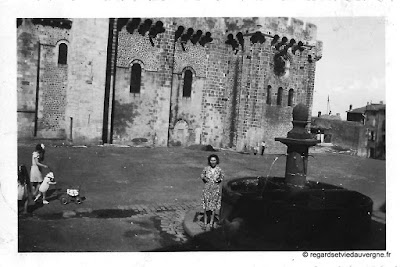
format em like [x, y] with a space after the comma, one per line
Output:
[351, 107]
[319, 114]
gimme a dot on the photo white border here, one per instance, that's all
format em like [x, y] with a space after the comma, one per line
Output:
[10, 10]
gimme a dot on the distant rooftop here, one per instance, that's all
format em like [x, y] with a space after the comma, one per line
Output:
[369, 107]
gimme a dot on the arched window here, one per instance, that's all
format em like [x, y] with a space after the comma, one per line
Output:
[290, 98]
[136, 78]
[62, 54]
[279, 98]
[187, 83]
[269, 95]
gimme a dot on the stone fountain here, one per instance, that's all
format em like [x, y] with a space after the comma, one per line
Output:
[293, 211]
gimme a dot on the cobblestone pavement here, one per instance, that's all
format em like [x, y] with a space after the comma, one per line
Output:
[171, 217]
[138, 223]
[163, 223]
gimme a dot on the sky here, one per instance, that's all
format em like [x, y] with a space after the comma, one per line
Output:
[352, 68]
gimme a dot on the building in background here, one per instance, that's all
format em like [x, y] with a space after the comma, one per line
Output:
[364, 132]
[225, 82]
[331, 129]
[373, 119]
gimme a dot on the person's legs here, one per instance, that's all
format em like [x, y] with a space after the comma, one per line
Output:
[44, 198]
[37, 196]
[212, 218]
[36, 189]
[25, 205]
[206, 218]
[19, 205]
[33, 188]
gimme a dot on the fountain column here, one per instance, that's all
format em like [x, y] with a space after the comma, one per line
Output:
[298, 141]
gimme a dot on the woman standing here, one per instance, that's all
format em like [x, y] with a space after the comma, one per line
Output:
[36, 174]
[212, 177]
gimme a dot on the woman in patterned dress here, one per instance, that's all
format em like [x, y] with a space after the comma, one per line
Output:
[212, 177]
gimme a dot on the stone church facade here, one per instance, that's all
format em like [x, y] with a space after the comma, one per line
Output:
[227, 82]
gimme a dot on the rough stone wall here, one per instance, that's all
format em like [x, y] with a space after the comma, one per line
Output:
[149, 117]
[164, 80]
[214, 108]
[133, 113]
[375, 122]
[233, 81]
[133, 46]
[232, 87]
[51, 35]
[343, 133]
[186, 110]
[27, 56]
[362, 149]
[194, 56]
[258, 120]
[86, 80]
[52, 80]
[228, 106]
[52, 94]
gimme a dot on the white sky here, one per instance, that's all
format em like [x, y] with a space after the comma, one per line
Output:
[352, 68]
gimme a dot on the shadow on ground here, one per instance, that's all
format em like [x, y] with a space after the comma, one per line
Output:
[215, 241]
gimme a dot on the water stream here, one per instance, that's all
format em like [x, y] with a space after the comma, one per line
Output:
[269, 171]
[273, 162]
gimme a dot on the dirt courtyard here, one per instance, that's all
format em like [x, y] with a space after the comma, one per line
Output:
[163, 180]
[112, 176]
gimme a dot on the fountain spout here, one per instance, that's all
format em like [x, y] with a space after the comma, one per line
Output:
[298, 141]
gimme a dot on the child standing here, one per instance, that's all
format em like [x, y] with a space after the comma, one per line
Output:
[36, 174]
[44, 186]
[23, 188]
[262, 147]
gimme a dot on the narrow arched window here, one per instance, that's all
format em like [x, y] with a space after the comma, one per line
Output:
[269, 95]
[62, 54]
[279, 98]
[290, 98]
[136, 78]
[187, 83]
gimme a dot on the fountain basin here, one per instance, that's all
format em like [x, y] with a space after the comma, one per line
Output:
[275, 209]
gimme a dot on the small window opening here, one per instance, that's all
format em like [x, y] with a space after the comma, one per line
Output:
[290, 98]
[269, 95]
[279, 99]
[62, 54]
[187, 83]
[136, 77]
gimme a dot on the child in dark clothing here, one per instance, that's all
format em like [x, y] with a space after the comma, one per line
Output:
[24, 188]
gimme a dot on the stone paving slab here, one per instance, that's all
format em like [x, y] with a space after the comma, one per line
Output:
[191, 227]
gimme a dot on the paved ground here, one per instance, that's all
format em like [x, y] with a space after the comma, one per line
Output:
[136, 197]
[123, 229]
